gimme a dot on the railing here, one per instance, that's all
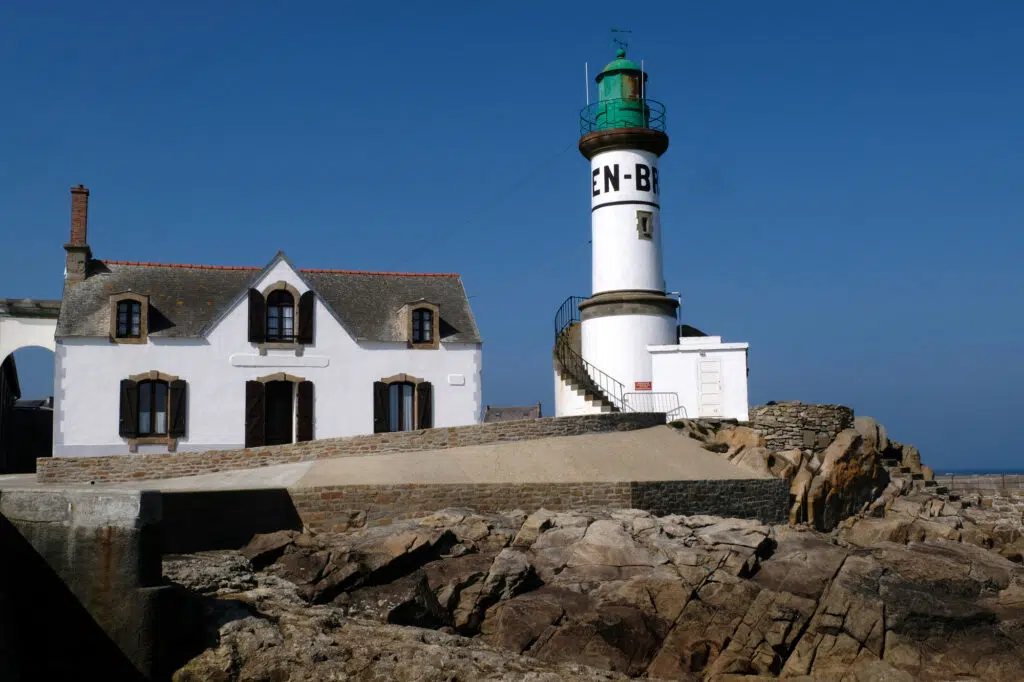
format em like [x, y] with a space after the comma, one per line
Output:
[651, 401]
[678, 413]
[589, 377]
[632, 112]
[568, 313]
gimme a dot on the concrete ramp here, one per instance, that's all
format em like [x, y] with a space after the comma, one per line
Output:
[657, 454]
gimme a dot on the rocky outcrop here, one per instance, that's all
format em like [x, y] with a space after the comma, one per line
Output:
[829, 480]
[615, 594]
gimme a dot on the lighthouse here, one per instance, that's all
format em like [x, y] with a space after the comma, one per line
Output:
[621, 349]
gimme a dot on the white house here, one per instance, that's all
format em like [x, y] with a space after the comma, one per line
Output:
[622, 349]
[157, 357]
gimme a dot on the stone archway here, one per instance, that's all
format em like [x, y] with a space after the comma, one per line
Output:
[27, 327]
[27, 322]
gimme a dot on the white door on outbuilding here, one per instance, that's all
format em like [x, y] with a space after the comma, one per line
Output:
[710, 381]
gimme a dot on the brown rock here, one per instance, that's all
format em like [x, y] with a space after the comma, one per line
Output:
[266, 548]
[739, 437]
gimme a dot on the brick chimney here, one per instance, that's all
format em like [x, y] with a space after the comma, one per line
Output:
[78, 252]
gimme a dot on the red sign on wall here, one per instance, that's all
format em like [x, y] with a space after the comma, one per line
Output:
[641, 385]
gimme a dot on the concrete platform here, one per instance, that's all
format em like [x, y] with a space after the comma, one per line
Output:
[657, 469]
[656, 454]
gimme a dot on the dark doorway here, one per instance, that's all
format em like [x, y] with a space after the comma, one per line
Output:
[280, 414]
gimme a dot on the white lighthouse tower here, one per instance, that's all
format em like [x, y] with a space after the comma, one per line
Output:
[609, 346]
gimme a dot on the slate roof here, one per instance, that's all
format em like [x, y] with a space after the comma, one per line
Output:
[186, 299]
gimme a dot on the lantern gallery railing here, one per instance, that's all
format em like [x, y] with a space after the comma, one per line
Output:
[633, 112]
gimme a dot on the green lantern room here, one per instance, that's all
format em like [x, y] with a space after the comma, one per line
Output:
[621, 100]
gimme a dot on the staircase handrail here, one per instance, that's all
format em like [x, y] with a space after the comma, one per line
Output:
[573, 363]
[568, 313]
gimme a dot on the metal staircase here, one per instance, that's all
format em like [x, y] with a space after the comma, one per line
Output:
[601, 390]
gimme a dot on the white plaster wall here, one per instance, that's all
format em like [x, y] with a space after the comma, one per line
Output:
[569, 402]
[216, 369]
[675, 369]
[620, 258]
[21, 332]
[617, 345]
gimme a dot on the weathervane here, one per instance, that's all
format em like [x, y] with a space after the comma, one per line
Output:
[621, 43]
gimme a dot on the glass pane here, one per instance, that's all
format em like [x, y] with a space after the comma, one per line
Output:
[393, 424]
[428, 323]
[406, 407]
[145, 403]
[288, 322]
[160, 412]
[136, 319]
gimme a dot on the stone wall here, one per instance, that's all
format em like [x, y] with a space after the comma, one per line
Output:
[766, 500]
[81, 584]
[119, 468]
[990, 484]
[800, 425]
[342, 507]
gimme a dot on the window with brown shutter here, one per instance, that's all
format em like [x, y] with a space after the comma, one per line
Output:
[129, 421]
[254, 413]
[257, 317]
[380, 407]
[152, 402]
[424, 405]
[307, 303]
[304, 418]
[178, 405]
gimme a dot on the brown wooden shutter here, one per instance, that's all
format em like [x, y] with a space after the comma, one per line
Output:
[129, 422]
[307, 303]
[257, 317]
[380, 407]
[424, 405]
[178, 403]
[254, 414]
[304, 430]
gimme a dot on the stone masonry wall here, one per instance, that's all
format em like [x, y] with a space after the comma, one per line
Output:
[341, 507]
[989, 484]
[799, 425]
[119, 468]
[766, 500]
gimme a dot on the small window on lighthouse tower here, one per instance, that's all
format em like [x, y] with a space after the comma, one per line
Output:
[645, 224]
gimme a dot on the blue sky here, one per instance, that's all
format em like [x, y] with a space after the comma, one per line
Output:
[843, 188]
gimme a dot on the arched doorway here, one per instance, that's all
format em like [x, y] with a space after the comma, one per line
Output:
[26, 408]
[27, 347]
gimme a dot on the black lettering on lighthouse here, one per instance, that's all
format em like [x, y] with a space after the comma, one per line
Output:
[597, 171]
[611, 178]
[643, 178]
[654, 172]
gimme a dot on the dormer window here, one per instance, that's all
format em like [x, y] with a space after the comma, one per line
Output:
[129, 314]
[129, 320]
[422, 325]
[280, 316]
[423, 321]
